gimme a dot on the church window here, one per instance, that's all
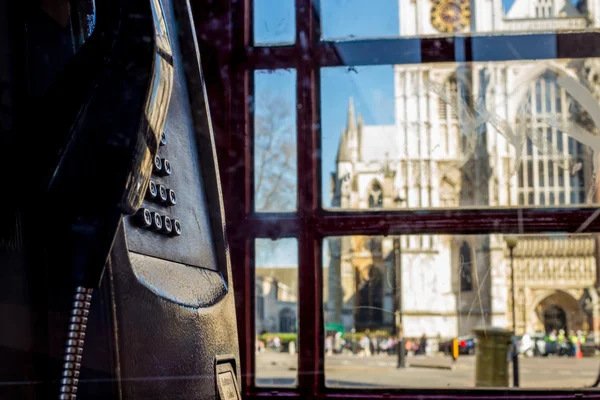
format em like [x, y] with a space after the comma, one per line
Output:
[544, 9]
[466, 268]
[546, 148]
[447, 105]
[375, 195]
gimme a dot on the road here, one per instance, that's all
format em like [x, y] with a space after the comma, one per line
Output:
[280, 369]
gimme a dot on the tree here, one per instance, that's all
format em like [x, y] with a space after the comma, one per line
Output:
[274, 153]
[275, 182]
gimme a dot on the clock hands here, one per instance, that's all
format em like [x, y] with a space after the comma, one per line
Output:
[450, 15]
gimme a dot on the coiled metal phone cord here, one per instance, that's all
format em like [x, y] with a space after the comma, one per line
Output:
[74, 344]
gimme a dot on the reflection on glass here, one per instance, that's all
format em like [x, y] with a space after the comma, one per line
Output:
[350, 19]
[275, 180]
[276, 312]
[429, 289]
[274, 22]
[439, 135]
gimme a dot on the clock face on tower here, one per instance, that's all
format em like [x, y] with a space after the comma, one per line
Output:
[449, 16]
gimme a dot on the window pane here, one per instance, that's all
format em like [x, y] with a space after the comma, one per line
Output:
[349, 19]
[439, 135]
[274, 22]
[275, 180]
[376, 287]
[276, 312]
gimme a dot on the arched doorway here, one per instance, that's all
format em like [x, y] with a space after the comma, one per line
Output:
[559, 310]
[555, 318]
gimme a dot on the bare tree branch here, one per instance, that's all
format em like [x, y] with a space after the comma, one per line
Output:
[274, 154]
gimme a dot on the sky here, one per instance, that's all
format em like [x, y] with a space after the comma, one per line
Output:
[370, 87]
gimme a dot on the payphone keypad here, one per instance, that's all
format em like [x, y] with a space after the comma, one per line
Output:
[161, 197]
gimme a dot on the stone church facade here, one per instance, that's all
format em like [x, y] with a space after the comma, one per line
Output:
[471, 135]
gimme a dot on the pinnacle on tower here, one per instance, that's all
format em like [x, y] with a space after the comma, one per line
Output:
[351, 124]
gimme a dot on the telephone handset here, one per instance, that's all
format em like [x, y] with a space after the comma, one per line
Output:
[102, 121]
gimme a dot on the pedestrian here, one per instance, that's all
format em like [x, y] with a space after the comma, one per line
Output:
[338, 343]
[391, 345]
[561, 336]
[365, 346]
[581, 336]
[408, 346]
[423, 345]
[329, 345]
[550, 339]
[574, 340]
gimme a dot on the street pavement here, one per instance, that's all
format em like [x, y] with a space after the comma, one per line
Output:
[280, 369]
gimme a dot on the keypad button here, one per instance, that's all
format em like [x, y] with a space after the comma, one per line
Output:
[176, 227]
[171, 198]
[157, 166]
[166, 168]
[163, 195]
[167, 227]
[152, 191]
[157, 223]
[143, 218]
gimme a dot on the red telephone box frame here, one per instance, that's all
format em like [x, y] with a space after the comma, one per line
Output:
[229, 59]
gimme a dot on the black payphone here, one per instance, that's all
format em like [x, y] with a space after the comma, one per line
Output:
[108, 107]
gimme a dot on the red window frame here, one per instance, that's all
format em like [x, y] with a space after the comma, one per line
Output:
[229, 58]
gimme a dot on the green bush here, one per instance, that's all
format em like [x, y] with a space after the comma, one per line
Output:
[373, 334]
[285, 338]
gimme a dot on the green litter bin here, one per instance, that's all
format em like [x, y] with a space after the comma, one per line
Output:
[492, 357]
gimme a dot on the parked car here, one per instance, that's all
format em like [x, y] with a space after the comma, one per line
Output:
[466, 345]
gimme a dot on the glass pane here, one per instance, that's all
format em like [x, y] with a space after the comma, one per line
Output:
[274, 22]
[464, 135]
[430, 289]
[275, 180]
[350, 19]
[347, 19]
[276, 312]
